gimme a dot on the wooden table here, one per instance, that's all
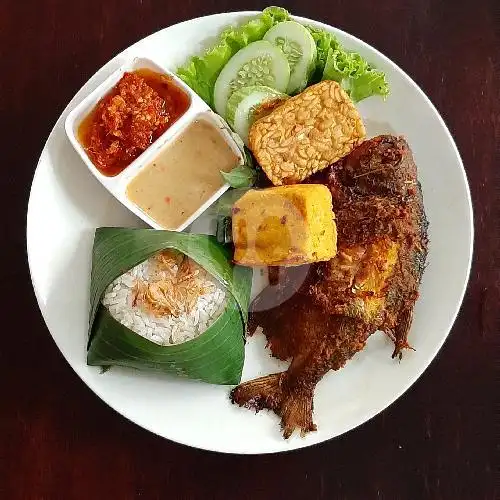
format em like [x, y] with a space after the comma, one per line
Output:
[59, 441]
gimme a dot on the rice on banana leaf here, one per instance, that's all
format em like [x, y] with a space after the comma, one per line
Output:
[167, 301]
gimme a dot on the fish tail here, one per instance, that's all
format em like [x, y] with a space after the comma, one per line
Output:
[296, 413]
[401, 333]
[271, 392]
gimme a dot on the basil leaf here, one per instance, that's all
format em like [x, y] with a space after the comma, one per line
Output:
[240, 177]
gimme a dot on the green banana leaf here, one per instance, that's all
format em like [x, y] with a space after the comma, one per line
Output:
[216, 356]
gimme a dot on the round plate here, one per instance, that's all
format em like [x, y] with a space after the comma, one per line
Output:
[67, 203]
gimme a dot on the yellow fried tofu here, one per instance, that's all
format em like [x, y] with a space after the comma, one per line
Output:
[284, 226]
[306, 133]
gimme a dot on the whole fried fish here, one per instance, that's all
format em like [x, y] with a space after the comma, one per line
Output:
[371, 284]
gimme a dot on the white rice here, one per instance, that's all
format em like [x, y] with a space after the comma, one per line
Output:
[165, 330]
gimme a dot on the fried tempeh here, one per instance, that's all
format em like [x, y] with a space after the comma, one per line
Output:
[306, 133]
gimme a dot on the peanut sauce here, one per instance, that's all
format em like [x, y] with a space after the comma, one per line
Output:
[125, 122]
[184, 175]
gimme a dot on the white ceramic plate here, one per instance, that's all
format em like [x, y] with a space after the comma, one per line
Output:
[67, 203]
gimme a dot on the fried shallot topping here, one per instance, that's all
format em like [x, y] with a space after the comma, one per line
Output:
[176, 283]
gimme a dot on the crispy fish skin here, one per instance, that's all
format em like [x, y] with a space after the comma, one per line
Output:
[376, 196]
[371, 284]
[306, 133]
[316, 342]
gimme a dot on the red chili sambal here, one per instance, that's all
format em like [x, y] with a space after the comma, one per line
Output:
[130, 118]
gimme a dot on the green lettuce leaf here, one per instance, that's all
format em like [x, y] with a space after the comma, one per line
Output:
[358, 65]
[201, 72]
[350, 69]
[357, 77]
[371, 82]
[325, 43]
[338, 67]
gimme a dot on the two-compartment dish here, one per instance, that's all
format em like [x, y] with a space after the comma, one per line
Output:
[144, 134]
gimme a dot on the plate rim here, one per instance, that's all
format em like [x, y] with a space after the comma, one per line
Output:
[303, 443]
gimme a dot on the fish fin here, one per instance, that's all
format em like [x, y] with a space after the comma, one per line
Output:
[271, 392]
[401, 333]
[296, 413]
[263, 392]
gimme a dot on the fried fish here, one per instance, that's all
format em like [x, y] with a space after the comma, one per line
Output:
[371, 284]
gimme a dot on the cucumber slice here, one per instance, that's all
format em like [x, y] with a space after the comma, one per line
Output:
[242, 105]
[259, 63]
[298, 45]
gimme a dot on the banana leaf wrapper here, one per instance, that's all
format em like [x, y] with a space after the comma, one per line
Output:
[216, 356]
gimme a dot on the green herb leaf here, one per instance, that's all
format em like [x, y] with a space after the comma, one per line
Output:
[240, 177]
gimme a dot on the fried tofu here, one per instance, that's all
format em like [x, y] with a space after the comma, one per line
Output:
[284, 226]
[306, 133]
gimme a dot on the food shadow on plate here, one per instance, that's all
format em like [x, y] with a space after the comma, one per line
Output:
[375, 128]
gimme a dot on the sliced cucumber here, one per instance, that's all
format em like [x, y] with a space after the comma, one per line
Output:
[259, 63]
[299, 47]
[242, 105]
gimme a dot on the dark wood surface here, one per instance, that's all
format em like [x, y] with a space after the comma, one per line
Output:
[59, 441]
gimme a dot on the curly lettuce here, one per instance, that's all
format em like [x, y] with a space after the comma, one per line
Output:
[355, 74]
[201, 72]
[325, 43]
[357, 77]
